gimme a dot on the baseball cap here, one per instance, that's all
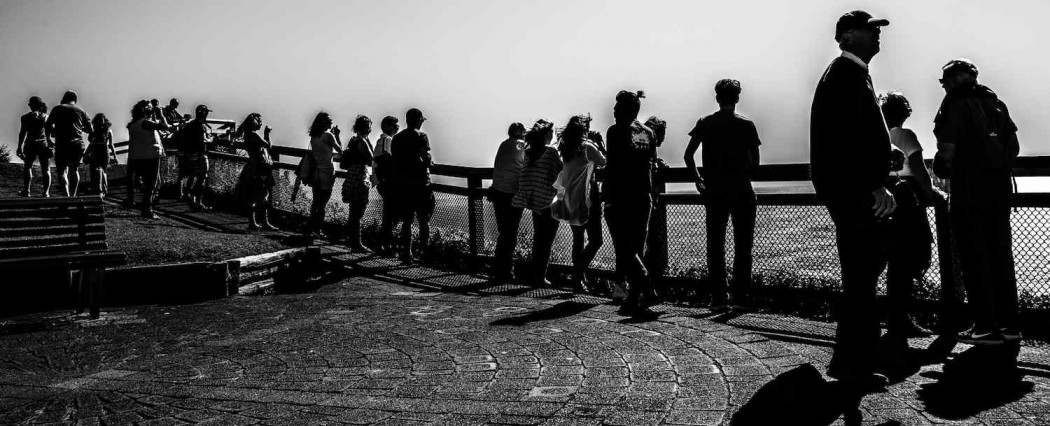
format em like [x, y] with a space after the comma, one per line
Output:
[959, 65]
[414, 113]
[855, 20]
[203, 108]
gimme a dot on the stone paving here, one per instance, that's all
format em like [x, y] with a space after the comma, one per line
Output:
[371, 350]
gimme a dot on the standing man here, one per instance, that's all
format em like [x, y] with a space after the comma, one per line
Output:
[383, 169]
[193, 158]
[730, 160]
[67, 125]
[850, 159]
[510, 158]
[627, 194]
[412, 160]
[976, 148]
[34, 144]
[171, 112]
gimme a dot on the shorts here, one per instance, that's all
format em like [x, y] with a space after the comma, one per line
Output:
[323, 179]
[193, 164]
[355, 192]
[416, 199]
[37, 149]
[69, 154]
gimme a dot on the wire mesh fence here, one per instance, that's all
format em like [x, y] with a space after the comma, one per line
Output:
[794, 242]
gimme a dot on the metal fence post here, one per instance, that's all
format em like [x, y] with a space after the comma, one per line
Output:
[476, 219]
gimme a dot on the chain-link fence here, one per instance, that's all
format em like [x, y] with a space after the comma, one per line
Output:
[794, 242]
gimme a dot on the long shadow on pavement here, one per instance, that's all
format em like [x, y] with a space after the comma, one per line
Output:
[978, 379]
[561, 310]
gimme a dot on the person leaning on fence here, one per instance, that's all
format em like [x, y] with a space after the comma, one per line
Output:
[911, 253]
[506, 170]
[256, 180]
[573, 203]
[324, 141]
[536, 192]
[627, 194]
[101, 153]
[172, 114]
[976, 149]
[144, 153]
[194, 139]
[850, 159]
[35, 145]
[67, 125]
[731, 157]
[412, 160]
[356, 160]
[382, 169]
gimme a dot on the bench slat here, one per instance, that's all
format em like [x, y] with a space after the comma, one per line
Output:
[43, 223]
[9, 253]
[50, 212]
[72, 260]
[54, 230]
[52, 240]
[6, 203]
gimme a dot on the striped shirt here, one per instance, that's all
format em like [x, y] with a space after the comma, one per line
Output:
[536, 183]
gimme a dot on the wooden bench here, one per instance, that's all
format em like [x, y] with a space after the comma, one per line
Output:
[38, 234]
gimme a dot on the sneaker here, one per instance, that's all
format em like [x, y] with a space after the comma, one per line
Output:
[618, 293]
[974, 337]
[1010, 334]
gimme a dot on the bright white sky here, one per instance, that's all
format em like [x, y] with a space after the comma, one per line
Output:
[474, 66]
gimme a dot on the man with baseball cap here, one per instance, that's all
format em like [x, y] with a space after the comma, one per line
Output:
[850, 159]
[193, 159]
[410, 149]
[976, 148]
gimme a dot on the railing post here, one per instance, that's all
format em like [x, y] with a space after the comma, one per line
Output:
[656, 242]
[949, 311]
[476, 219]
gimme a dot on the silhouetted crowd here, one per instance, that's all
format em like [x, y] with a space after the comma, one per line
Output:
[867, 169]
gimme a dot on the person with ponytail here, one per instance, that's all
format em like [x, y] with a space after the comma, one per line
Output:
[576, 203]
[536, 192]
[357, 159]
[627, 194]
[101, 153]
[256, 182]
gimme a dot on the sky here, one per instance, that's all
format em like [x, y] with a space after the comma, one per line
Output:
[475, 66]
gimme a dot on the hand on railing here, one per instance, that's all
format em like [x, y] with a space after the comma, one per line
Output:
[700, 187]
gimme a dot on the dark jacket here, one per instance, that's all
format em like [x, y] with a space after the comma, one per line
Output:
[848, 139]
[966, 115]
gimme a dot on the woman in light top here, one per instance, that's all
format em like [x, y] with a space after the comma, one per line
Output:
[102, 152]
[357, 161]
[324, 141]
[144, 153]
[911, 254]
[536, 192]
[578, 200]
[256, 183]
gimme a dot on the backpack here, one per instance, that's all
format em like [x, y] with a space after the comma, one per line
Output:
[995, 145]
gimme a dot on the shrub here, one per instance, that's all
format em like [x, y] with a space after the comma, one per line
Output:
[5, 154]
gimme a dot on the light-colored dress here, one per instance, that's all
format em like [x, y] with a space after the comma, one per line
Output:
[572, 204]
[324, 170]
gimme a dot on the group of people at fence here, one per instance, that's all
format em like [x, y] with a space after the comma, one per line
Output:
[867, 168]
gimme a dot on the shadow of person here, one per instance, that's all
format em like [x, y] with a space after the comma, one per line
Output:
[800, 396]
[561, 310]
[978, 379]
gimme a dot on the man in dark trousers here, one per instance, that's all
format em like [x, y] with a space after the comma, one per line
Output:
[627, 194]
[730, 159]
[976, 148]
[850, 159]
[412, 160]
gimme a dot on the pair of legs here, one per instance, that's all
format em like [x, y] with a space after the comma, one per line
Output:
[742, 210]
[586, 240]
[980, 218]
[508, 219]
[99, 180]
[68, 156]
[45, 173]
[908, 259]
[545, 229]
[317, 209]
[859, 239]
[147, 169]
[357, 204]
[417, 203]
[628, 221]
